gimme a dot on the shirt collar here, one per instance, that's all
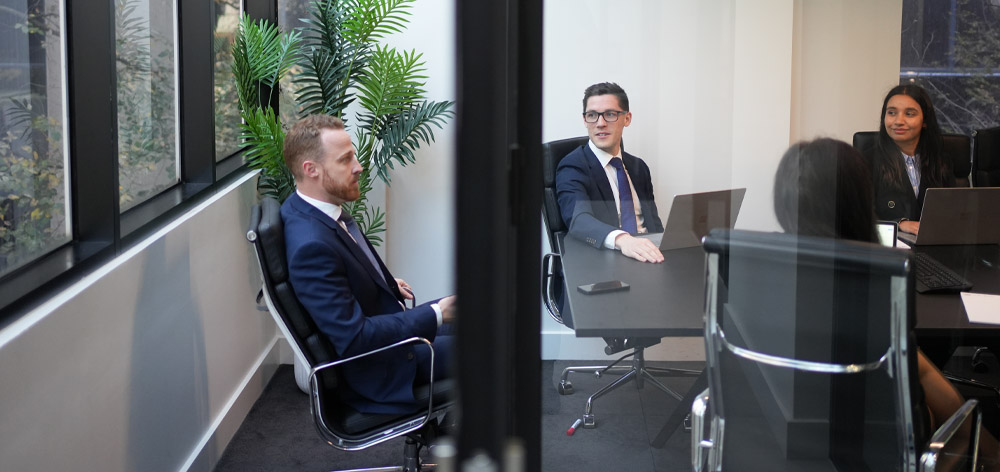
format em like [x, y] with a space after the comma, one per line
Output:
[329, 209]
[602, 157]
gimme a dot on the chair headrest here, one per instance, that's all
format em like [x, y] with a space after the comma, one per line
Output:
[865, 140]
[271, 235]
[958, 148]
[844, 254]
[553, 152]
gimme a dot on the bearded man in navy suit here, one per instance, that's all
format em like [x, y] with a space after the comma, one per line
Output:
[343, 283]
[591, 182]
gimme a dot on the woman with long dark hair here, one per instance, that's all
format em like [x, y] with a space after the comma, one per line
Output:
[906, 159]
[823, 188]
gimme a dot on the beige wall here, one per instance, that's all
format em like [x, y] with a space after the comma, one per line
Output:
[846, 57]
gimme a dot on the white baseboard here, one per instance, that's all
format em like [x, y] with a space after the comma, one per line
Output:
[215, 440]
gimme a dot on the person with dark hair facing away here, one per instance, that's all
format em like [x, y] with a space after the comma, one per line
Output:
[907, 158]
[823, 188]
[605, 194]
[343, 283]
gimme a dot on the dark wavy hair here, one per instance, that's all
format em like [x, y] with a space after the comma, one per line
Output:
[606, 88]
[824, 188]
[934, 168]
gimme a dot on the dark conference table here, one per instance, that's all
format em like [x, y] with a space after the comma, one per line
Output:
[668, 299]
[942, 323]
[663, 300]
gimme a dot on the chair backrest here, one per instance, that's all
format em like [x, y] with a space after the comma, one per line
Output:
[865, 140]
[986, 158]
[956, 147]
[809, 354]
[552, 153]
[267, 233]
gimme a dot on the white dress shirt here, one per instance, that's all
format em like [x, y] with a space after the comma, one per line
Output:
[612, 174]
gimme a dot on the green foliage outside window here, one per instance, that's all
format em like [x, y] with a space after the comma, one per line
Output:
[147, 156]
[32, 196]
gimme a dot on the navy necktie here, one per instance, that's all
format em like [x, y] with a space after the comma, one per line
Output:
[627, 207]
[352, 229]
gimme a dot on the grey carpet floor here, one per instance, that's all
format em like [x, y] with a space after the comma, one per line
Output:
[278, 433]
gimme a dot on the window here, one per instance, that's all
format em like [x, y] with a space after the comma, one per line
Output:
[290, 16]
[33, 195]
[227, 114]
[952, 49]
[147, 102]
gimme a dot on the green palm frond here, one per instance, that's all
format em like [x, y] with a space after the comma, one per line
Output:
[372, 20]
[393, 84]
[405, 133]
[321, 82]
[265, 139]
[262, 55]
[334, 63]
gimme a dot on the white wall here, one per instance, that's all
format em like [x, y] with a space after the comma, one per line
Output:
[718, 89]
[149, 363]
[421, 200]
[846, 59]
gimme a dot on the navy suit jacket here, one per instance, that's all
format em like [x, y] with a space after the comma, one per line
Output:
[586, 201]
[356, 309]
[896, 201]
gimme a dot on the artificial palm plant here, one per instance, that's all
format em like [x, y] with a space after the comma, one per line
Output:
[339, 60]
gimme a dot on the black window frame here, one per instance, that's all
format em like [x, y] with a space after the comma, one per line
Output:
[100, 231]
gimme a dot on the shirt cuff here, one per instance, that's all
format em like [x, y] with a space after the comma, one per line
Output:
[609, 241]
[437, 313]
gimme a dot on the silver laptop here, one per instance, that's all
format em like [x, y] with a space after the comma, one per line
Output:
[958, 216]
[693, 215]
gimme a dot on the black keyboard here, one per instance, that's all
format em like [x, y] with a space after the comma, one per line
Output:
[933, 276]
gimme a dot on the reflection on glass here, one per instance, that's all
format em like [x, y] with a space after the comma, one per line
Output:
[290, 16]
[147, 123]
[227, 114]
[33, 202]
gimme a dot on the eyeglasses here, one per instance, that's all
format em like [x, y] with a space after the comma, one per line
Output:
[610, 116]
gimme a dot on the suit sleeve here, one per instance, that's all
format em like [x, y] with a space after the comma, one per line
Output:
[320, 277]
[576, 203]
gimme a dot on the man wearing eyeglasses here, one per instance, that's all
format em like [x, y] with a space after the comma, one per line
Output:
[605, 194]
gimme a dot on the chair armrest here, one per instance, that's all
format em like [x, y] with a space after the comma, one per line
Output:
[940, 453]
[549, 263]
[316, 369]
[698, 441]
[357, 444]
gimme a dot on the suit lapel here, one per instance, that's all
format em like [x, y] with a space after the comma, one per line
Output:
[600, 177]
[347, 241]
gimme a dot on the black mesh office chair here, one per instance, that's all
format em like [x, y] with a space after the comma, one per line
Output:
[956, 147]
[811, 361]
[553, 297]
[986, 158]
[339, 424]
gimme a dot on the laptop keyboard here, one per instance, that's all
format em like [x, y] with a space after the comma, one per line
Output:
[933, 276]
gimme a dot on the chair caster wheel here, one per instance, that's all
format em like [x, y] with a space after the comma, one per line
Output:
[565, 388]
